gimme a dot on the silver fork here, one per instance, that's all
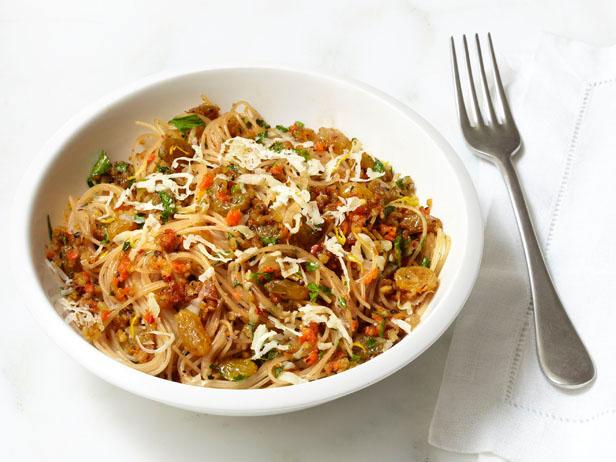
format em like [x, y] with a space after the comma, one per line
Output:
[563, 358]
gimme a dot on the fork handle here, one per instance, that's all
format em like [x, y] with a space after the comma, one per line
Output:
[562, 355]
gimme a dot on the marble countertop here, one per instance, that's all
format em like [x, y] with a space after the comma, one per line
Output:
[56, 57]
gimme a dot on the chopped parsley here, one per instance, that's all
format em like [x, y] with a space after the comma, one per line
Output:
[302, 152]
[315, 290]
[236, 189]
[100, 167]
[121, 167]
[388, 209]
[185, 123]
[261, 277]
[401, 182]
[277, 146]
[162, 168]
[269, 240]
[271, 354]
[278, 370]
[168, 203]
[262, 123]
[139, 219]
[371, 343]
[399, 248]
[426, 262]
[378, 166]
[126, 246]
[299, 124]
[282, 128]
[342, 302]
[239, 378]
[105, 238]
[311, 266]
[261, 136]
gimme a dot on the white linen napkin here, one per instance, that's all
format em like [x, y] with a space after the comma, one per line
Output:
[494, 398]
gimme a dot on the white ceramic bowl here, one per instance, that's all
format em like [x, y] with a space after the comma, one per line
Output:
[387, 129]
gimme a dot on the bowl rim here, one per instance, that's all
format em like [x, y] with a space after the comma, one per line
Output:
[220, 401]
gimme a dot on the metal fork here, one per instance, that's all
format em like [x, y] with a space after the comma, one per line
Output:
[563, 358]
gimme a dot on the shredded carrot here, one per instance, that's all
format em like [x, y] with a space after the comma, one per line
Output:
[72, 254]
[207, 181]
[372, 331]
[309, 334]
[148, 317]
[320, 146]
[124, 268]
[105, 315]
[388, 232]
[312, 358]
[354, 325]
[179, 267]
[223, 196]
[233, 218]
[151, 157]
[371, 275]
[276, 169]
[89, 288]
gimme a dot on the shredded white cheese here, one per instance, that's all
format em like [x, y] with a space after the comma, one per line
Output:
[261, 343]
[289, 266]
[405, 326]
[348, 205]
[291, 378]
[323, 314]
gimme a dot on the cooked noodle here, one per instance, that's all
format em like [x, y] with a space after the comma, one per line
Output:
[231, 254]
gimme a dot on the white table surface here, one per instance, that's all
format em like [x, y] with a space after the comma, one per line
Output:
[56, 57]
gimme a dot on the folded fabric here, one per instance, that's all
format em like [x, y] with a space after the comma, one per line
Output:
[494, 398]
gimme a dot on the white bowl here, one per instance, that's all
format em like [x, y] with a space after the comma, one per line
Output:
[387, 129]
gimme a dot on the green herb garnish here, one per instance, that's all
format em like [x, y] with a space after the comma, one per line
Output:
[370, 343]
[126, 246]
[311, 266]
[426, 262]
[399, 245]
[388, 209]
[105, 238]
[100, 167]
[239, 378]
[302, 152]
[277, 146]
[121, 167]
[401, 182]
[262, 123]
[261, 136]
[282, 128]
[271, 354]
[342, 302]
[236, 189]
[378, 166]
[314, 290]
[139, 219]
[269, 240]
[168, 203]
[278, 370]
[162, 168]
[185, 123]
[382, 328]
[299, 124]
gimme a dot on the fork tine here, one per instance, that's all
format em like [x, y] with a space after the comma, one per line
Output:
[459, 96]
[472, 82]
[484, 80]
[499, 83]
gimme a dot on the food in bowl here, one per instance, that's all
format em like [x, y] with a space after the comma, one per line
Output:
[230, 253]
